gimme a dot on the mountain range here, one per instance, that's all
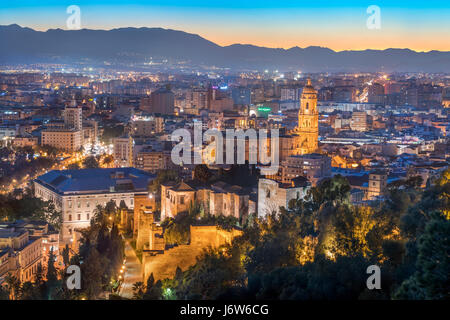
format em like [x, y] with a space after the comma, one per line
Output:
[138, 45]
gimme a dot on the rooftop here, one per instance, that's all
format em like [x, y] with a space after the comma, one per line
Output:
[99, 180]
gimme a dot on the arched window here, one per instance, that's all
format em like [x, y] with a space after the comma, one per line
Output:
[307, 106]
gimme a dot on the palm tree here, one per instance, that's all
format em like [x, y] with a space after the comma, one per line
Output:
[13, 286]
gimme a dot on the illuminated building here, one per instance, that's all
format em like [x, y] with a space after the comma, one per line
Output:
[123, 151]
[64, 139]
[307, 130]
[143, 126]
[77, 193]
[20, 253]
[313, 166]
[377, 184]
[273, 194]
[359, 121]
[73, 118]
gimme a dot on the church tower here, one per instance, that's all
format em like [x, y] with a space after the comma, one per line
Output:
[308, 120]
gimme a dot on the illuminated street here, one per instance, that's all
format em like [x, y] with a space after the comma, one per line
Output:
[133, 272]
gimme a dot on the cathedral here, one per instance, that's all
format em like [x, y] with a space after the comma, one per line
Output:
[306, 135]
[304, 138]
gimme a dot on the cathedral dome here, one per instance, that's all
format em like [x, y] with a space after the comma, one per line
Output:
[309, 88]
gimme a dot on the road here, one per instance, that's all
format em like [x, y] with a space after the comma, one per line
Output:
[133, 272]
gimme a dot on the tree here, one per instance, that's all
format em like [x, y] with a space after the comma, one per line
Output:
[12, 285]
[90, 162]
[163, 176]
[331, 191]
[152, 289]
[52, 276]
[107, 160]
[66, 255]
[4, 295]
[432, 278]
[202, 173]
[92, 270]
[73, 166]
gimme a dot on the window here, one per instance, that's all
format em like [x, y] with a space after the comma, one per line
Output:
[87, 216]
[70, 217]
[79, 216]
[182, 200]
[268, 193]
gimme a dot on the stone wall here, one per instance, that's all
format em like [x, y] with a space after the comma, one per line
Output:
[164, 265]
[141, 202]
[213, 236]
[145, 223]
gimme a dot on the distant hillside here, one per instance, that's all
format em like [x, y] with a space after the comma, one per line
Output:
[125, 45]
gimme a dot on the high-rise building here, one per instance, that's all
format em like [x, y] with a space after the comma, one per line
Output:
[197, 98]
[153, 161]
[162, 101]
[73, 117]
[376, 93]
[291, 94]
[146, 126]
[359, 121]
[123, 151]
[241, 96]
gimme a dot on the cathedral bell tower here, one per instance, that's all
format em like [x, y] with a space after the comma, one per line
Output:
[308, 120]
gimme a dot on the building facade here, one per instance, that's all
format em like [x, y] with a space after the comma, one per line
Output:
[273, 194]
[313, 166]
[77, 193]
[69, 140]
[123, 151]
[20, 254]
[307, 130]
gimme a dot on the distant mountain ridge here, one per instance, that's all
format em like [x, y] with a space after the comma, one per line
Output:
[125, 45]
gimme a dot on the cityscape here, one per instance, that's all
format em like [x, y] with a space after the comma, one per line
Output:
[147, 162]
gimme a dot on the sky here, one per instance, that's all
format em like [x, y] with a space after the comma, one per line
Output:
[339, 25]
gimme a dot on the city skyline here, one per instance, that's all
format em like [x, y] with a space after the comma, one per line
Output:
[415, 25]
[243, 153]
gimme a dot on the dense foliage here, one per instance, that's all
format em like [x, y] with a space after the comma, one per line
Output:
[100, 258]
[320, 247]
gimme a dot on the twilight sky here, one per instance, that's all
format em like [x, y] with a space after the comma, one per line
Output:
[339, 25]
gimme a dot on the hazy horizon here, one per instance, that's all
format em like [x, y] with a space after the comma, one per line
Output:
[243, 44]
[416, 25]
